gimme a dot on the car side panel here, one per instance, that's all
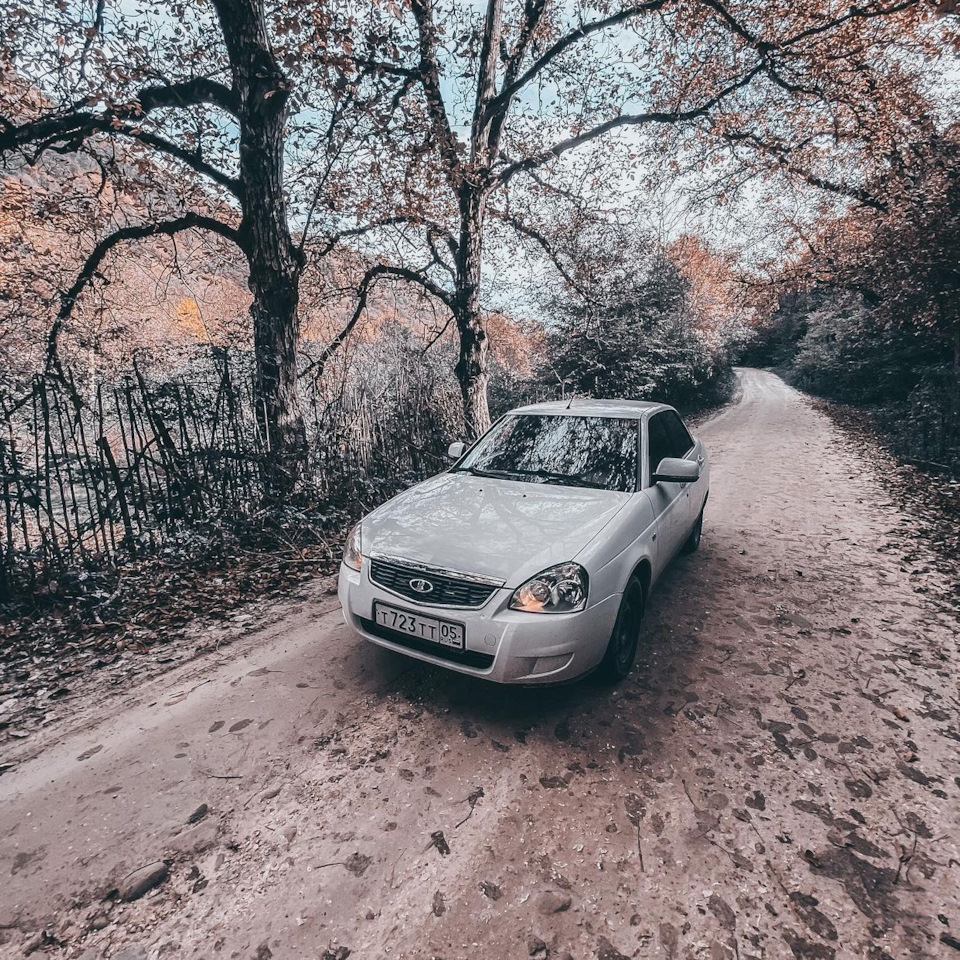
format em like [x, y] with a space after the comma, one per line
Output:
[651, 528]
[670, 505]
[613, 555]
[666, 499]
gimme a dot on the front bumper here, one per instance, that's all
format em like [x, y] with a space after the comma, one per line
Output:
[503, 645]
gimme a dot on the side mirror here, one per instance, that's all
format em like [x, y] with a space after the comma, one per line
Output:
[677, 470]
[456, 450]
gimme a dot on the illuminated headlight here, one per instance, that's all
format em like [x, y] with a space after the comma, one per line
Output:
[559, 589]
[353, 549]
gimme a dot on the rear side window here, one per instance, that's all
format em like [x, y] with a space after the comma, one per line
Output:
[680, 439]
[659, 445]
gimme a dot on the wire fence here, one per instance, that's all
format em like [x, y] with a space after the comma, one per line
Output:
[91, 478]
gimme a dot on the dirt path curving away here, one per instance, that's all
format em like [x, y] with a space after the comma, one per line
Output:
[779, 777]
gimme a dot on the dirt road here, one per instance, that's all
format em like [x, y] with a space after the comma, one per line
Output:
[780, 776]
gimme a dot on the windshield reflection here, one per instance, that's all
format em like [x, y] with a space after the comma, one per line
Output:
[596, 452]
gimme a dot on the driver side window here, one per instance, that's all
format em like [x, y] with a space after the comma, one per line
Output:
[658, 446]
[680, 439]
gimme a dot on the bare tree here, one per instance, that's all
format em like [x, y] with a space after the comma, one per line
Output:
[492, 103]
[207, 91]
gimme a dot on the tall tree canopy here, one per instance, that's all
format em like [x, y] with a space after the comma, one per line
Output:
[288, 127]
[494, 102]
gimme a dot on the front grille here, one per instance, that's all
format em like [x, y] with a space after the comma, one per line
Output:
[469, 658]
[447, 590]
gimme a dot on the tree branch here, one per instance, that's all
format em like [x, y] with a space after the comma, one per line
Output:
[189, 93]
[735, 25]
[384, 66]
[364, 289]
[437, 336]
[430, 79]
[855, 12]
[781, 155]
[764, 46]
[626, 120]
[532, 12]
[167, 228]
[192, 158]
[96, 30]
[538, 238]
[412, 220]
[77, 125]
[486, 79]
[413, 276]
[503, 98]
[437, 258]
[567, 194]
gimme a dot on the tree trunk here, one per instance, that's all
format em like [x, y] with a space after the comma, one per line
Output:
[951, 436]
[471, 368]
[956, 353]
[275, 263]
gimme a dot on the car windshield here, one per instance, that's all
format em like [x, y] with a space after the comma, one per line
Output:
[598, 452]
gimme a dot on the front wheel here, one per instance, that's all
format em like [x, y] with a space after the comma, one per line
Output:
[622, 648]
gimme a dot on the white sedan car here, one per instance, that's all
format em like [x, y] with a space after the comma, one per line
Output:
[531, 559]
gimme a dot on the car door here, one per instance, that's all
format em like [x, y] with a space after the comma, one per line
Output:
[684, 446]
[667, 499]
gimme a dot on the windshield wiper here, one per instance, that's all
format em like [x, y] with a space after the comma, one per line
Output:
[551, 476]
[476, 472]
[570, 480]
[547, 476]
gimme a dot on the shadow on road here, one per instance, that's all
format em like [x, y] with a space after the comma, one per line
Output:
[669, 651]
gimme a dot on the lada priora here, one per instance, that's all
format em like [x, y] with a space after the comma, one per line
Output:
[530, 560]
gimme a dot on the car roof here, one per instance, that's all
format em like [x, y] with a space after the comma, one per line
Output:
[587, 407]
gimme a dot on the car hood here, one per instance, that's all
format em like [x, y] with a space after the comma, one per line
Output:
[498, 528]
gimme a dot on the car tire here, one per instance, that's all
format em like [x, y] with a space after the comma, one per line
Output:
[692, 543]
[625, 638]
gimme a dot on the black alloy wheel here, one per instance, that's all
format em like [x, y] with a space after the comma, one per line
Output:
[625, 638]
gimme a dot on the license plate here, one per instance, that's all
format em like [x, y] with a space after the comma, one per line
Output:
[444, 632]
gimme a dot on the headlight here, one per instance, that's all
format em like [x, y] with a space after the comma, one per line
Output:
[559, 589]
[353, 549]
